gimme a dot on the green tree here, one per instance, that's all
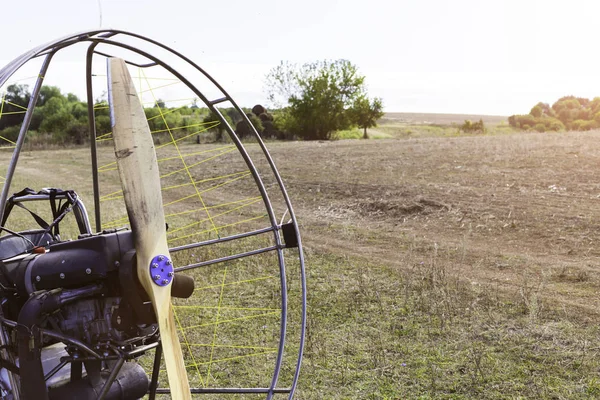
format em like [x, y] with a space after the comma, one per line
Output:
[46, 93]
[79, 110]
[320, 96]
[365, 112]
[13, 105]
[282, 82]
[536, 111]
[56, 117]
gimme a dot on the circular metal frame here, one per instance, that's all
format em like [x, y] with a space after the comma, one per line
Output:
[117, 39]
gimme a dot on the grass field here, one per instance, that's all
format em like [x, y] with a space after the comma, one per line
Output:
[442, 267]
[416, 125]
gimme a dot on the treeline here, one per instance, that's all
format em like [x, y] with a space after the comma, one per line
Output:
[315, 101]
[568, 113]
[63, 119]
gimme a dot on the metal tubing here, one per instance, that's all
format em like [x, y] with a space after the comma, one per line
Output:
[227, 258]
[55, 370]
[111, 378]
[92, 128]
[220, 240]
[155, 372]
[58, 336]
[52, 47]
[127, 62]
[21, 139]
[221, 100]
[141, 349]
[78, 208]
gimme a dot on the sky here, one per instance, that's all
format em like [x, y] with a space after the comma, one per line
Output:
[460, 56]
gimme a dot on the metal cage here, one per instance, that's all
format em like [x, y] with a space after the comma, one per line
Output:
[285, 236]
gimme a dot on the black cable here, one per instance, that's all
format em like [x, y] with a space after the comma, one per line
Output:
[18, 235]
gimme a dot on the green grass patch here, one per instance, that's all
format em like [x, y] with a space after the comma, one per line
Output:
[355, 133]
[358, 133]
[376, 332]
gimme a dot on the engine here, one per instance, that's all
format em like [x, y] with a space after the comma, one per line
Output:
[71, 310]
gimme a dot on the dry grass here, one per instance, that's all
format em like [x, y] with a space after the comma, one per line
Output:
[439, 268]
[420, 125]
[439, 119]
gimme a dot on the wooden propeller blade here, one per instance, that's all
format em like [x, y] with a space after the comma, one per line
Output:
[140, 179]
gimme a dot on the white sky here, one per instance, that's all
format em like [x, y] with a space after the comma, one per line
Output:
[460, 56]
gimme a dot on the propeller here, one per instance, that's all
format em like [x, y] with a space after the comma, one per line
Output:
[140, 179]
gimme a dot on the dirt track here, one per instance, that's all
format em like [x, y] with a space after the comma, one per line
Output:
[518, 211]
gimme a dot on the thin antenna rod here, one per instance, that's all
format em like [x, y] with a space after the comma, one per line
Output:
[100, 12]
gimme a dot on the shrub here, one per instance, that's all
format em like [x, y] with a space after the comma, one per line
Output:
[103, 124]
[583, 125]
[242, 128]
[527, 119]
[469, 126]
[553, 124]
[577, 124]
[595, 105]
[540, 127]
[265, 117]
[584, 114]
[11, 133]
[258, 110]
[565, 115]
[77, 132]
[270, 131]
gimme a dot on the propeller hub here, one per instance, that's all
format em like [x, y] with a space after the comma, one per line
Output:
[161, 270]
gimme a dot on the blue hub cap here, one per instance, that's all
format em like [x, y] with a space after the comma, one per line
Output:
[161, 270]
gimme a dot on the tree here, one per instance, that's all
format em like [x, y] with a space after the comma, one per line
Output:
[319, 95]
[13, 104]
[56, 117]
[46, 93]
[282, 82]
[365, 112]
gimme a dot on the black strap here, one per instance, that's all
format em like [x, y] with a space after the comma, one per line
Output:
[43, 224]
[52, 193]
[64, 210]
[58, 210]
[10, 202]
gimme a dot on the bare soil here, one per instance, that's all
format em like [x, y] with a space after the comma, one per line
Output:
[508, 211]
